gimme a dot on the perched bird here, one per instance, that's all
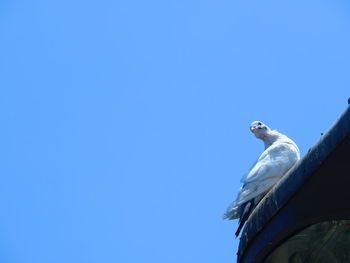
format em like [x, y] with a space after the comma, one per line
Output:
[280, 154]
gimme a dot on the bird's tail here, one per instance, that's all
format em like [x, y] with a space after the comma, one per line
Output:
[249, 206]
[248, 209]
[232, 212]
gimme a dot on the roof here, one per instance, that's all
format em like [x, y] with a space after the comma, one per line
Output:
[315, 190]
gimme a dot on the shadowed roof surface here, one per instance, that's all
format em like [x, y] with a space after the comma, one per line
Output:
[315, 190]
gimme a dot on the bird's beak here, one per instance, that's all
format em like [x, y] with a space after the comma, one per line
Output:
[253, 128]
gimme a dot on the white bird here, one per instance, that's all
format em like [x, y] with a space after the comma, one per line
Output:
[280, 154]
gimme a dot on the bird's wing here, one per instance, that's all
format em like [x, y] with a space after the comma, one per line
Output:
[273, 163]
[244, 177]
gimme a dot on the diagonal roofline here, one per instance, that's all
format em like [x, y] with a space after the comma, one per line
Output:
[299, 199]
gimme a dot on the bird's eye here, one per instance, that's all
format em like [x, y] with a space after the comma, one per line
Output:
[259, 123]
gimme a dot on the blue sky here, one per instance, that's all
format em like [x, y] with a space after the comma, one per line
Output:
[125, 123]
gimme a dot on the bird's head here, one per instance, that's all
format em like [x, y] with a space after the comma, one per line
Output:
[259, 129]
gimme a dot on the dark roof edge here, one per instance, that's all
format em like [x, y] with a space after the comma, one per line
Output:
[293, 180]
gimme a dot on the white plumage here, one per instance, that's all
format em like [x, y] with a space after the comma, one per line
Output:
[280, 154]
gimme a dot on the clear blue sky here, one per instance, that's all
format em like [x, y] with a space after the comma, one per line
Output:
[124, 124]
